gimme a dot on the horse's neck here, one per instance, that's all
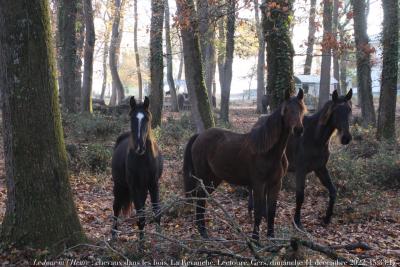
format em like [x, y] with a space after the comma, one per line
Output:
[323, 133]
[283, 140]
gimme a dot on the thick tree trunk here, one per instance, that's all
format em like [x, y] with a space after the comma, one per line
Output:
[40, 211]
[170, 77]
[181, 61]
[280, 50]
[107, 31]
[156, 62]
[343, 72]
[363, 63]
[86, 102]
[260, 59]
[390, 44]
[335, 22]
[67, 32]
[80, 42]
[325, 81]
[230, 47]
[311, 38]
[116, 37]
[200, 106]
[135, 44]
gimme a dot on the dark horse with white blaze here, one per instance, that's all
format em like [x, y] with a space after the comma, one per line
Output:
[310, 152]
[254, 159]
[136, 167]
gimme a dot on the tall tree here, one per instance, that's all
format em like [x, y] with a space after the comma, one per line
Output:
[116, 37]
[390, 44]
[156, 61]
[80, 42]
[325, 81]
[67, 11]
[335, 51]
[205, 10]
[364, 51]
[227, 69]
[276, 26]
[260, 59]
[90, 38]
[170, 77]
[200, 106]
[135, 45]
[40, 211]
[107, 31]
[311, 38]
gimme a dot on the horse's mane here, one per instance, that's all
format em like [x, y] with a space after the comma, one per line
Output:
[266, 134]
[325, 113]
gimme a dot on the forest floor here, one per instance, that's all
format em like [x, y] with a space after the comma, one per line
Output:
[365, 211]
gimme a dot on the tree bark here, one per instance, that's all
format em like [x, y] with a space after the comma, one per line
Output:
[311, 38]
[156, 62]
[230, 47]
[325, 81]
[276, 26]
[260, 59]
[40, 211]
[181, 61]
[107, 30]
[221, 52]
[116, 37]
[363, 63]
[66, 25]
[335, 22]
[86, 102]
[135, 44]
[80, 42]
[388, 96]
[200, 106]
[170, 77]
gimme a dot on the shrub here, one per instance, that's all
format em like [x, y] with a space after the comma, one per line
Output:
[97, 158]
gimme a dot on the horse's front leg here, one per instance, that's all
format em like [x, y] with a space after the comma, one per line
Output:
[259, 206]
[272, 198]
[300, 184]
[155, 200]
[250, 204]
[139, 199]
[325, 179]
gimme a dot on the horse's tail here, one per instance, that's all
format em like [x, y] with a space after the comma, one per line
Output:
[189, 181]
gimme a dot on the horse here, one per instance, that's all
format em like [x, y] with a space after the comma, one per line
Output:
[310, 152]
[137, 165]
[254, 159]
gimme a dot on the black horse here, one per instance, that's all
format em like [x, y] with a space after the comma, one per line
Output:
[310, 152]
[136, 167]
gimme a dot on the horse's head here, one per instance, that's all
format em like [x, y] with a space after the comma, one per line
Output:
[140, 124]
[341, 112]
[292, 111]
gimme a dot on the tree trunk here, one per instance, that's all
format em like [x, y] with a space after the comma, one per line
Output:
[116, 37]
[80, 42]
[325, 80]
[170, 77]
[388, 96]
[221, 52]
[230, 47]
[86, 102]
[261, 60]
[156, 62]
[335, 22]
[67, 32]
[207, 36]
[181, 61]
[363, 63]
[200, 106]
[137, 59]
[280, 51]
[107, 29]
[40, 211]
[311, 38]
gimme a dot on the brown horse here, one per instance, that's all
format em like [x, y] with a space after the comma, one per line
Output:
[254, 159]
[310, 152]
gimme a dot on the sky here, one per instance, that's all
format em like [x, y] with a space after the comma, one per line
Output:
[241, 67]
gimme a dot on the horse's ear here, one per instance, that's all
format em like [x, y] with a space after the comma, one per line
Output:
[300, 94]
[287, 94]
[132, 102]
[335, 96]
[146, 102]
[349, 95]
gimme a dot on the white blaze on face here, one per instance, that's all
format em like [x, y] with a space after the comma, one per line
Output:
[140, 117]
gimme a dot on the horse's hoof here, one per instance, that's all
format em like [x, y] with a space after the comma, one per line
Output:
[204, 235]
[326, 221]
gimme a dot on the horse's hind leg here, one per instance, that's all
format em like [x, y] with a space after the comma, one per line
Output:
[325, 179]
[200, 210]
[300, 184]
[121, 199]
[272, 198]
[259, 206]
[250, 204]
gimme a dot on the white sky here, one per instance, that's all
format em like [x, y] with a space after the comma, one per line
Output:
[241, 67]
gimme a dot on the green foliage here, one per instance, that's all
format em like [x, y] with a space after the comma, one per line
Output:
[96, 157]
